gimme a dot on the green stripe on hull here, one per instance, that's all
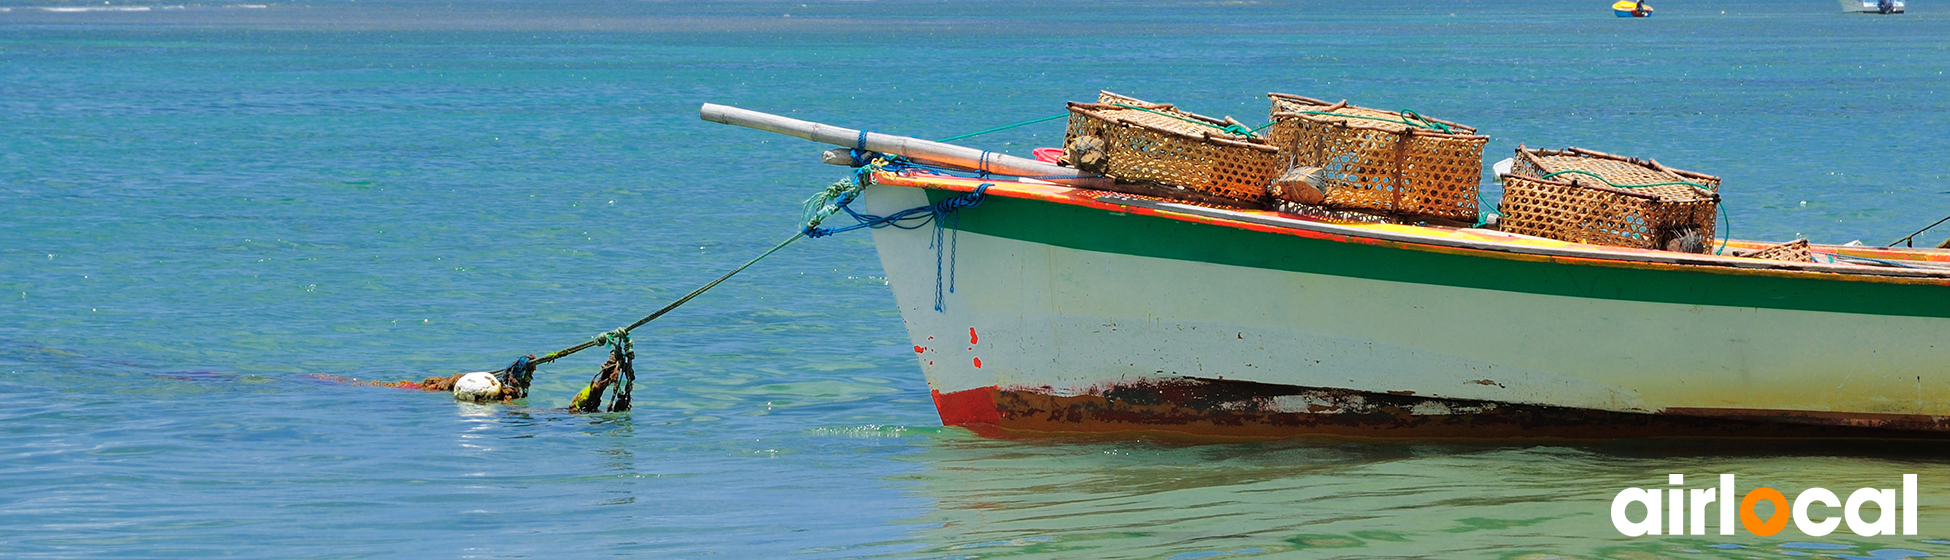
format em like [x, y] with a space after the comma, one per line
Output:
[1091, 229]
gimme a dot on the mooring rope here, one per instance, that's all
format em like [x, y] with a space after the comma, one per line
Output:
[517, 376]
[836, 198]
[599, 340]
[619, 372]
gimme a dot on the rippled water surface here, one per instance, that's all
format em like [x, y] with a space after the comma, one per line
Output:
[214, 210]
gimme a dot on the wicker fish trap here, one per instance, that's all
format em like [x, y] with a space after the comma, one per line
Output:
[1581, 211]
[1616, 171]
[1792, 251]
[1388, 161]
[1136, 141]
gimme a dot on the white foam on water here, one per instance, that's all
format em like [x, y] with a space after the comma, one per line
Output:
[97, 9]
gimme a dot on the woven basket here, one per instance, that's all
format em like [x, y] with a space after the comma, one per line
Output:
[1153, 142]
[1580, 211]
[1376, 160]
[1792, 251]
[1619, 171]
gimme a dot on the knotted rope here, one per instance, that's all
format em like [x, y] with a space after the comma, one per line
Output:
[618, 371]
[516, 377]
[943, 215]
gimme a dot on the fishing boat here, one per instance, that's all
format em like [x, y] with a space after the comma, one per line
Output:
[1074, 308]
[1631, 8]
[1872, 6]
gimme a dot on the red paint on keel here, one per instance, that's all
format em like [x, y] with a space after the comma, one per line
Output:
[978, 363]
[918, 349]
[974, 406]
[972, 339]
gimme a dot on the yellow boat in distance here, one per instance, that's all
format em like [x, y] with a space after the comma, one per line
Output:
[1631, 8]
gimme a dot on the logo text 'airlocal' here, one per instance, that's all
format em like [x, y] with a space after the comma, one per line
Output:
[1685, 510]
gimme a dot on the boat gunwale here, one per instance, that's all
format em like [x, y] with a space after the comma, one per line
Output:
[1290, 224]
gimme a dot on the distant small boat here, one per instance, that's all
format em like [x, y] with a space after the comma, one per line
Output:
[1873, 6]
[1634, 8]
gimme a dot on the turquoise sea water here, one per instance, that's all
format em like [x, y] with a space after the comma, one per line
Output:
[207, 205]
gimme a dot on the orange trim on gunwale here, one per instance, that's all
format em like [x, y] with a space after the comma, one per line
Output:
[1500, 245]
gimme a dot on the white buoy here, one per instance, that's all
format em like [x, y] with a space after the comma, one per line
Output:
[476, 387]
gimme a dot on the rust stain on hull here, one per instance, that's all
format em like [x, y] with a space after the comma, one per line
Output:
[1240, 409]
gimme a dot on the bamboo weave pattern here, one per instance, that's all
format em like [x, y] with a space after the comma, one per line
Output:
[1374, 161]
[1159, 143]
[1579, 212]
[1792, 251]
[1618, 170]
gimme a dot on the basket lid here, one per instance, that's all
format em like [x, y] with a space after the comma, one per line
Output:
[1164, 116]
[1616, 171]
[1354, 115]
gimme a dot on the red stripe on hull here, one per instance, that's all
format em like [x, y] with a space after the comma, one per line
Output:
[962, 408]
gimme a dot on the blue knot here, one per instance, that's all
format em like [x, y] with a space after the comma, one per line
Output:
[518, 375]
[944, 216]
[860, 157]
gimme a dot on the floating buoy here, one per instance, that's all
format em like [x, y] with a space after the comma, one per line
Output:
[1631, 8]
[479, 386]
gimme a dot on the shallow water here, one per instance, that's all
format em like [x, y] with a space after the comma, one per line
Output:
[209, 206]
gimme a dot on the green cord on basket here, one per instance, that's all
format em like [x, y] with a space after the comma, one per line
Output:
[1409, 118]
[1726, 230]
[1608, 181]
[1005, 127]
[1484, 204]
[1234, 129]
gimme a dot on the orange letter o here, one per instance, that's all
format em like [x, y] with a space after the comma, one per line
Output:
[1775, 523]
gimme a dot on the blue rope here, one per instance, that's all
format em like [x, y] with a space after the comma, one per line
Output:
[943, 215]
[518, 376]
[905, 219]
[951, 220]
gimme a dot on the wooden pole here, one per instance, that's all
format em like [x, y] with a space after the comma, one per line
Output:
[915, 148]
